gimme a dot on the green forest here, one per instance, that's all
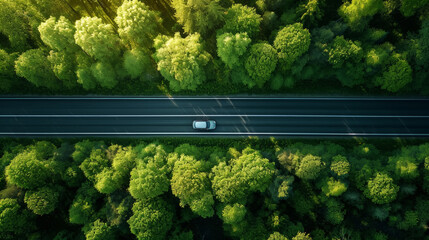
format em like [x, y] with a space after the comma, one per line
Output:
[360, 47]
[178, 188]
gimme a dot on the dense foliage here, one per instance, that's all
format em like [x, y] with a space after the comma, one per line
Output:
[214, 46]
[215, 189]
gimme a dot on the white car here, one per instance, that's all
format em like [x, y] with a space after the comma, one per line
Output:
[204, 125]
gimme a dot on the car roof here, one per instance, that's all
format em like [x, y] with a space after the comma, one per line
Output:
[200, 124]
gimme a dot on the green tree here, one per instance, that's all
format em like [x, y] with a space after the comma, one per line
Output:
[381, 189]
[123, 162]
[409, 7]
[291, 42]
[277, 236]
[309, 167]
[99, 230]
[137, 62]
[198, 16]
[64, 67]
[95, 164]
[138, 25]
[107, 181]
[281, 187]
[288, 160]
[19, 21]
[97, 39]
[151, 219]
[33, 66]
[410, 220]
[191, 184]
[181, 61]
[344, 51]
[248, 173]
[340, 166]
[72, 176]
[110, 169]
[84, 73]
[278, 81]
[260, 63]
[357, 13]
[14, 220]
[231, 48]
[396, 75]
[404, 166]
[302, 236]
[7, 71]
[334, 211]
[233, 214]
[42, 201]
[83, 149]
[58, 34]
[332, 187]
[242, 19]
[105, 74]
[187, 149]
[148, 180]
[346, 58]
[28, 172]
[311, 12]
[422, 53]
[82, 209]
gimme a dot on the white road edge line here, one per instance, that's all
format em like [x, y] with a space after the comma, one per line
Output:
[216, 133]
[202, 115]
[217, 98]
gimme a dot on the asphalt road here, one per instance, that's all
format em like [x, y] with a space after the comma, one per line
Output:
[234, 116]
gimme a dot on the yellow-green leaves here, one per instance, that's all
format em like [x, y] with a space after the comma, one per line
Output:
[137, 24]
[198, 16]
[358, 12]
[291, 42]
[181, 61]
[97, 39]
[242, 19]
[151, 219]
[381, 189]
[58, 34]
[42, 201]
[232, 47]
[33, 66]
[191, 185]
[250, 172]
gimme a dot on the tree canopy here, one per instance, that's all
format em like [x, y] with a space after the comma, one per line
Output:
[236, 187]
[291, 42]
[181, 61]
[260, 63]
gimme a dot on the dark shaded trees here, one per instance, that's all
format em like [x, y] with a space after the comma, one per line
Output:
[14, 221]
[200, 16]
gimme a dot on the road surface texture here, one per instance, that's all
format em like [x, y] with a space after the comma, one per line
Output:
[86, 116]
